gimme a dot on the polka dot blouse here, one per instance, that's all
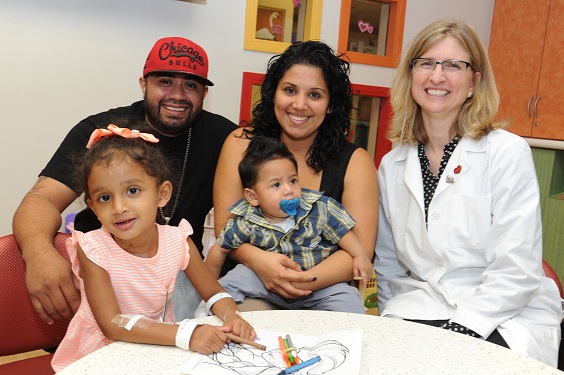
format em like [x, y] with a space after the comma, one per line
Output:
[430, 181]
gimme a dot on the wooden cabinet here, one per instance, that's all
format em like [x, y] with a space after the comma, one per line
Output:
[527, 54]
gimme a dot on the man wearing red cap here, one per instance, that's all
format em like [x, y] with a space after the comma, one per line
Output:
[174, 85]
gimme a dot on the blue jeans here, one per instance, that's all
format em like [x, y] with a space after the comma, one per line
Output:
[185, 299]
[242, 282]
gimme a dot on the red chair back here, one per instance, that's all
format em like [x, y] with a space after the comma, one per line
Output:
[20, 328]
[549, 272]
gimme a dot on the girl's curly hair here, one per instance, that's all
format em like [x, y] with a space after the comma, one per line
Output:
[115, 148]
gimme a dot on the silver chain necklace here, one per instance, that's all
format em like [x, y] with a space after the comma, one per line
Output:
[177, 198]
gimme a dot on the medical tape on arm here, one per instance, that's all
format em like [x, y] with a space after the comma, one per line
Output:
[129, 321]
[184, 333]
[214, 299]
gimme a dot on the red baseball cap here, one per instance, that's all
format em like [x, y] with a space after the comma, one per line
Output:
[178, 55]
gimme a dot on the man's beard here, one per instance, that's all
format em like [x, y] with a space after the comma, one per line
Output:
[169, 126]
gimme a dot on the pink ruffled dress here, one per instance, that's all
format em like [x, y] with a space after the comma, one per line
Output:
[142, 285]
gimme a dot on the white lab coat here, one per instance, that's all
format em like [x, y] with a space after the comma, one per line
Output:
[479, 261]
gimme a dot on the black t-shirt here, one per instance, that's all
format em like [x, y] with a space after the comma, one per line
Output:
[208, 134]
[334, 170]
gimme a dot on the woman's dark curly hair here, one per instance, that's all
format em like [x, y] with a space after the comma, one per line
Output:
[335, 126]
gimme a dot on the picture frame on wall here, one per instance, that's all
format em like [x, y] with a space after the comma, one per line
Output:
[250, 95]
[272, 25]
[371, 32]
[370, 120]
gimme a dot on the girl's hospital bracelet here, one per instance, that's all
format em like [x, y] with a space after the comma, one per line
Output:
[214, 299]
[184, 333]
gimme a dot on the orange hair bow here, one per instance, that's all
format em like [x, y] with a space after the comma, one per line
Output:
[122, 132]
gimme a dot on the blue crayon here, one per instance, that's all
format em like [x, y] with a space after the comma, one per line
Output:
[300, 366]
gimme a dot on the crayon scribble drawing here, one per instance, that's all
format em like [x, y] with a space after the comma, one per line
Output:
[339, 351]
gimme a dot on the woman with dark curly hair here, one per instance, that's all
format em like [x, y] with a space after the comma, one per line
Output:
[306, 101]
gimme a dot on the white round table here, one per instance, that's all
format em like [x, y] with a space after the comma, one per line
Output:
[389, 346]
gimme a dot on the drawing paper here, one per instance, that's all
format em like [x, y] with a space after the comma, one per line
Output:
[340, 353]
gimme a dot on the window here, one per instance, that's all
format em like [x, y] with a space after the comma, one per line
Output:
[371, 32]
[250, 94]
[370, 120]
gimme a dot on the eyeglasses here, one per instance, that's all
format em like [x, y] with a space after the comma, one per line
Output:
[450, 67]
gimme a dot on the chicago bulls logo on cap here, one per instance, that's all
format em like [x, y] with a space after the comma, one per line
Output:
[178, 55]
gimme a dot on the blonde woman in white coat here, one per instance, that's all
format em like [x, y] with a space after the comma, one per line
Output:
[459, 239]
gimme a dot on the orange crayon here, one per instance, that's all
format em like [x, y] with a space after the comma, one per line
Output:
[283, 351]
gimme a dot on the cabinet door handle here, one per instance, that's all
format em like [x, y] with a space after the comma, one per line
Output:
[529, 106]
[535, 108]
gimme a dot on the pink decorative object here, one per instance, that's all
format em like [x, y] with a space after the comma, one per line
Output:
[296, 3]
[277, 29]
[122, 132]
[365, 27]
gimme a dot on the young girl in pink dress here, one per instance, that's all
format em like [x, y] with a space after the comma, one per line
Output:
[127, 269]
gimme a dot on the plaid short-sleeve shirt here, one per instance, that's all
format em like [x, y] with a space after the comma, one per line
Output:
[320, 224]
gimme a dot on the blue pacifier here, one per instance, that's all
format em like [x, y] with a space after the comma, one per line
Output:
[290, 206]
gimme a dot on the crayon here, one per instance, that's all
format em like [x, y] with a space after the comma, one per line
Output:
[283, 351]
[300, 366]
[290, 356]
[293, 350]
[241, 340]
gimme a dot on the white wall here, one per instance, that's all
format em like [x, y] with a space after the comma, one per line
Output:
[62, 60]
